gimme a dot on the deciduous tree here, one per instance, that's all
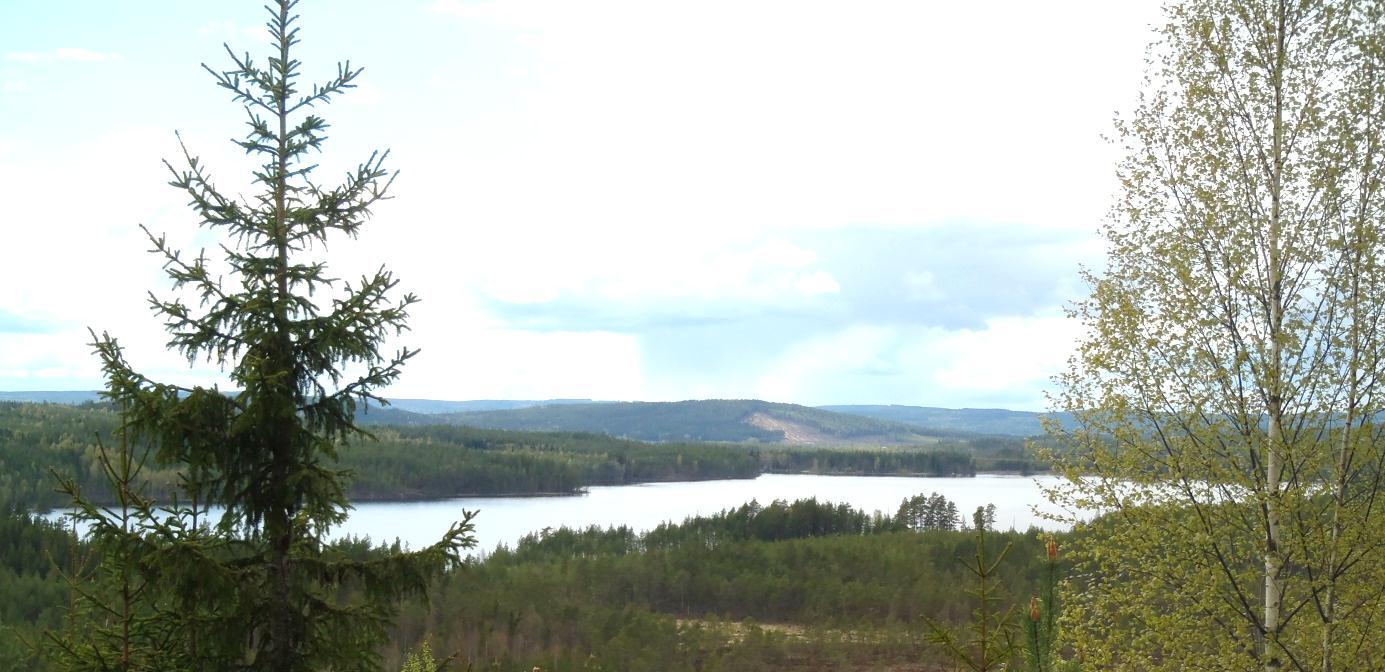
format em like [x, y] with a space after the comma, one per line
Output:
[1228, 387]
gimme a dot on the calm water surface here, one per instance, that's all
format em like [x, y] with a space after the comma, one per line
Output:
[642, 507]
[503, 520]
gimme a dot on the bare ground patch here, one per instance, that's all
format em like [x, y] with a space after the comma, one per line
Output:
[794, 432]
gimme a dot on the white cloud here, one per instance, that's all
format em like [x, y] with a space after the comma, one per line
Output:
[1008, 363]
[817, 283]
[729, 114]
[520, 288]
[1011, 353]
[656, 159]
[83, 262]
[25, 354]
[664, 152]
[640, 269]
[805, 369]
[921, 285]
[514, 364]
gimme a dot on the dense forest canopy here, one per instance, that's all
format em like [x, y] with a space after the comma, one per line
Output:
[1218, 427]
[832, 585]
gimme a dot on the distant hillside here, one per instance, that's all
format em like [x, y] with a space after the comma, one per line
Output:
[60, 397]
[704, 420]
[389, 415]
[407, 406]
[438, 406]
[995, 421]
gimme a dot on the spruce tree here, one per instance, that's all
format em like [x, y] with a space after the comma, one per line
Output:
[260, 589]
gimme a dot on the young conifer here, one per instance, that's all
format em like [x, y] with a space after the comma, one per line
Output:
[260, 589]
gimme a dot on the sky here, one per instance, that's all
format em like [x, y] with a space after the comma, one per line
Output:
[806, 201]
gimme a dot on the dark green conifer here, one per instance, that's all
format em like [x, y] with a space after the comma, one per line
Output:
[258, 588]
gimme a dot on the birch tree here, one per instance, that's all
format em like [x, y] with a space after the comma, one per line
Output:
[1228, 387]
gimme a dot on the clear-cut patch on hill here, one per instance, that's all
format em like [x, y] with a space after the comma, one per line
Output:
[794, 432]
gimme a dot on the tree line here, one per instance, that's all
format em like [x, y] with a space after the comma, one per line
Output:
[38, 441]
[1225, 392]
[845, 585]
[689, 595]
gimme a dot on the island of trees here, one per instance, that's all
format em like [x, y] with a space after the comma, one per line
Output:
[1220, 420]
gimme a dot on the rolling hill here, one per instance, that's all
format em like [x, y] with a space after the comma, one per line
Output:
[996, 421]
[735, 420]
[435, 406]
[60, 397]
[399, 411]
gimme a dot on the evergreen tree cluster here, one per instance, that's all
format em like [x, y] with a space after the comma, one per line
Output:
[850, 595]
[931, 512]
[34, 554]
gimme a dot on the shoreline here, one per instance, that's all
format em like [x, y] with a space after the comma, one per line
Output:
[583, 490]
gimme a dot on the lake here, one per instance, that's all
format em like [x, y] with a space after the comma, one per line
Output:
[503, 520]
[644, 506]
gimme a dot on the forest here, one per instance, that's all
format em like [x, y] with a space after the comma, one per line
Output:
[440, 461]
[1218, 434]
[801, 585]
[730, 420]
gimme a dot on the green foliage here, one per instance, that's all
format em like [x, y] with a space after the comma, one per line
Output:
[110, 624]
[933, 512]
[422, 660]
[449, 460]
[991, 645]
[436, 461]
[1041, 652]
[39, 439]
[834, 588]
[983, 518]
[805, 585]
[256, 589]
[778, 521]
[33, 594]
[1226, 395]
[932, 461]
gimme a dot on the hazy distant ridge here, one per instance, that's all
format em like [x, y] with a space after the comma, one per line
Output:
[421, 406]
[701, 420]
[59, 397]
[697, 420]
[997, 421]
[434, 406]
